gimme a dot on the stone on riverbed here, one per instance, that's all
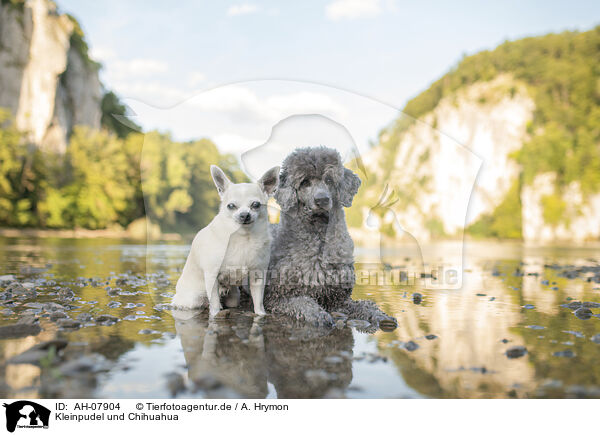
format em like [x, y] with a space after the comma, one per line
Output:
[583, 313]
[6, 279]
[24, 327]
[516, 352]
[68, 323]
[106, 319]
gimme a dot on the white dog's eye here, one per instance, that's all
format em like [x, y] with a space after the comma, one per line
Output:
[255, 205]
[231, 206]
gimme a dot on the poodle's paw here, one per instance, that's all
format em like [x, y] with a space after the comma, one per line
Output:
[320, 320]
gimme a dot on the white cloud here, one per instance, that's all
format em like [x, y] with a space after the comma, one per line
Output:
[195, 78]
[241, 9]
[151, 92]
[138, 67]
[353, 9]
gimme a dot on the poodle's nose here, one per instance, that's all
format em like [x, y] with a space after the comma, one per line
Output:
[322, 200]
[244, 217]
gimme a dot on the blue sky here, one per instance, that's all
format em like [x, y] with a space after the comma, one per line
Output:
[163, 53]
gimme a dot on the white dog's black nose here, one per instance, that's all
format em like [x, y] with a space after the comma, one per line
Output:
[322, 200]
[244, 217]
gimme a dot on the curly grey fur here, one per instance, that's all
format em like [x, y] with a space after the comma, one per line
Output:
[311, 272]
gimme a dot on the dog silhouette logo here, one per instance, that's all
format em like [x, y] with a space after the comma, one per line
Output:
[26, 414]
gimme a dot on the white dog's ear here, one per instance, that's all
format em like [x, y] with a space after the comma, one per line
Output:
[268, 182]
[220, 179]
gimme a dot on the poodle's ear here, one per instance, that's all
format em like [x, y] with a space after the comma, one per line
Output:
[220, 179]
[285, 195]
[348, 187]
[268, 182]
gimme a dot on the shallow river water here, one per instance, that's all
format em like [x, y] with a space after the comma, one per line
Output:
[90, 318]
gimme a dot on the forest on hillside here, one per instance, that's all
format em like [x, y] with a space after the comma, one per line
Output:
[562, 74]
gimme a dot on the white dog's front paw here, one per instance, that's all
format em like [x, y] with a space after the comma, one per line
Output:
[260, 311]
[214, 310]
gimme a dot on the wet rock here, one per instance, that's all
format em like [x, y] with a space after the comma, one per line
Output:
[596, 338]
[85, 364]
[23, 328]
[516, 352]
[583, 313]
[66, 293]
[29, 357]
[68, 323]
[529, 307]
[591, 305]
[536, 327]
[431, 336]
[84, 317]
[572, 305]
[504, 340]
[417, 298]
[565, 353]
[148, 332]
[411, 346]
[480, 294]
[21, 291]
[163, 307]
[57, 315]
[575, 333]
[106, 319]
[6, 279]
[113, 304]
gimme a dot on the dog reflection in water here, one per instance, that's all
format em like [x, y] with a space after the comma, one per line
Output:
[244, 353]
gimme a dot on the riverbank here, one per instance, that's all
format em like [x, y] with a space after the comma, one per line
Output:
[81, 233]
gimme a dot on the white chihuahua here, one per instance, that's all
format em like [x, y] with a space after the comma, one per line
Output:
[231, 250]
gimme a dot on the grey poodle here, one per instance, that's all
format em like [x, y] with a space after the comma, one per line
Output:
[311, 272]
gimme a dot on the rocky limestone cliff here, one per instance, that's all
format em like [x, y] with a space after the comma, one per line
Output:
[453, 165]
[47, 82]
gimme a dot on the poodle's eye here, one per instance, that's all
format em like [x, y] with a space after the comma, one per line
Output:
[305, 182]
[329, 180]
[231, 206]
[255, 205]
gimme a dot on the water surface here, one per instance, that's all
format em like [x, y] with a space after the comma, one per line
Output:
[512, 330]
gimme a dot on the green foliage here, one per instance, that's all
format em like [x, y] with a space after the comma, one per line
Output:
[98, 182]
[505, 221]
[77, 42]
[561, 72]
[111, 106]
[177, 184]
[21, 176]
[554, 208]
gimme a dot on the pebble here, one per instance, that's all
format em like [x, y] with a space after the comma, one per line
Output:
[68, 323]
[431, 336]
[529, 307]
[411, 346]
[583, 313]
[516, 352]
[106, 319]
[535, 327]
[417, 298]
[565, 353]
[575, 333]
